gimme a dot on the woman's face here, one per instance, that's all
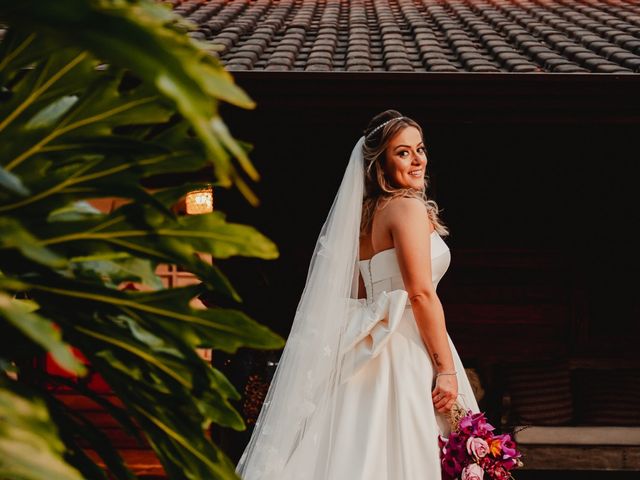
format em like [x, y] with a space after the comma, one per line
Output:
[406, 159]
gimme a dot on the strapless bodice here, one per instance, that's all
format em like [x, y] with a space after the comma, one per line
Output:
[372, 321]
[382, 272]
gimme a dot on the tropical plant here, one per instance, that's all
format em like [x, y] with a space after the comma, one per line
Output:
[96, 98]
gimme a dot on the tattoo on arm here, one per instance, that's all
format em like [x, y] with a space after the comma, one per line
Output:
[435, 358]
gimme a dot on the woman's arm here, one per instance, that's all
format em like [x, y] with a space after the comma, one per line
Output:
[408, 224]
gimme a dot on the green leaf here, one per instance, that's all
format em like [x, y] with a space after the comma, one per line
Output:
[41, 331]
[101, 99]
[114, 272]
[12, 183]
[74, 212]
[56, 75]
[118, 413]
[223, 239]
[226, 329]
[174, 240]
[30, 448]
[15, 236]
[234, 147]
[73, 423]
[93, 114]
[127, 38]
[20, 49]
[51, 114]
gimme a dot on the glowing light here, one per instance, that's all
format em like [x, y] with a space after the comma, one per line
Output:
[199, 201]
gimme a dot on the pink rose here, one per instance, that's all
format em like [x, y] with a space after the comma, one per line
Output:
[477, 447]
[473, 471]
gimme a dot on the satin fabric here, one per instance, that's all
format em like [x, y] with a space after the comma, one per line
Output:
[387, 426]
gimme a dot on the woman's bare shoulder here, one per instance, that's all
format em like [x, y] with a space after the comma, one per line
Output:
[411, 206]
[406, 210]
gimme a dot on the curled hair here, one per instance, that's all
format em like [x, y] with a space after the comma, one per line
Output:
[378, 189]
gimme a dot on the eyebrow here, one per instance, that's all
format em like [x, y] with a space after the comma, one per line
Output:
[409, 146]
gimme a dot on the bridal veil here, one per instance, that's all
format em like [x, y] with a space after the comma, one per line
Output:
[297, 412]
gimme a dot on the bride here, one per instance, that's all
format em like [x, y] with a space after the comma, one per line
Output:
[369, 373]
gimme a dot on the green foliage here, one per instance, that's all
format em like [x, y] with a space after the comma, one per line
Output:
[29, 444]
[95, 97]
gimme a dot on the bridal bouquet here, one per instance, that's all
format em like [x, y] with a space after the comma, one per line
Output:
[473, 452]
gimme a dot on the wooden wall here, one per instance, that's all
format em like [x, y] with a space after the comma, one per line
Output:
[536, 174]
[537, 178]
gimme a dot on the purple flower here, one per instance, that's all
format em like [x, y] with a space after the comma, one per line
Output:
[466, 425]
[473, 471]
[475, 424]
[508, 446]
[509, 463]
[456, 441]
[480, 425]
[460, 454]
[451, 467]
[452, 446]
[477, 447]
[472, 450]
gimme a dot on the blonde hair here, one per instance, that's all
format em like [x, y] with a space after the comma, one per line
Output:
[378, 190]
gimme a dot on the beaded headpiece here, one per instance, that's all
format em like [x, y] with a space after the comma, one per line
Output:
[383, 124]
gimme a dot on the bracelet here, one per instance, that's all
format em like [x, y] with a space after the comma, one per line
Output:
[446, 373]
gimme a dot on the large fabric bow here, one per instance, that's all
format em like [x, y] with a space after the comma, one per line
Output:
[368, 329]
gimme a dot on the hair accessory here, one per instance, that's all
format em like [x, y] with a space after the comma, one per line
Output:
[383, 124]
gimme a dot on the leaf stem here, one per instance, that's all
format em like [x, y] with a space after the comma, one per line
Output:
[74, 179]
[121, 302]
[39, 91]
[136, 351]
[17, 51]
[59, 131]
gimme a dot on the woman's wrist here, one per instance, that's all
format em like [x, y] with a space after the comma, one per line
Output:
[446, 372]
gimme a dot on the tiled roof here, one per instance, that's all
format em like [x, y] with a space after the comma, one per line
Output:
[564, 36]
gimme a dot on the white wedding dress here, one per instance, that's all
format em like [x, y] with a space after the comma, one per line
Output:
[386, 425]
